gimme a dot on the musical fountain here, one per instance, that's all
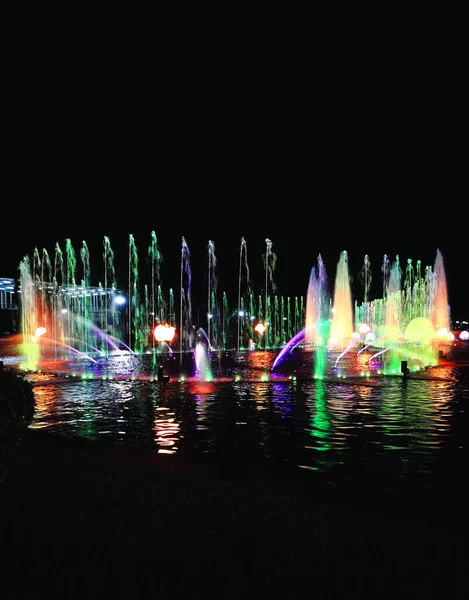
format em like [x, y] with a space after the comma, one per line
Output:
[89, 329]
[405, 330]
[324, 372]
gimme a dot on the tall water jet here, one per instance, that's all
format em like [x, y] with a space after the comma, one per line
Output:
[392, 334]
[30, 349]
[270, 260]
[46, 287]
[85, 312]
[410, 310]
[312, 308]
[365, 275]
[341, 330]
[71, 264]
[185, 316]
[202, 363]
[385, 268]
[171, 309]
[212, 311]
[59, 277]
[317, 303]
[109, 282]
[156, 297]
[393, 304]
[70, 283]
[323, 323]
[243, 261]
[440, 315]
[161, 314]
[135, 310]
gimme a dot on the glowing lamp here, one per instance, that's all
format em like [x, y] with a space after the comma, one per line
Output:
[464, 336]
[119, 300]
[444, 333]
[164, 333]
[259, 328]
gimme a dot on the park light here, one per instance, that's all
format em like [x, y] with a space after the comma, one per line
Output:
[164, 333]
[260, 328]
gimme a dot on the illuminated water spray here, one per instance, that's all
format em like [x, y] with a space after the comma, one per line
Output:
[394, 303]
[135, 309]
[270, 260]
[341, 330]
[317, 304]
[30, 349]
[212, 310]
[243, 276]
[202, 363]
[185, 324]
[312, 308]
[86, 305]
[440, 314]
[392, 332]
[109, 282]
[366, 277]
[157, 305]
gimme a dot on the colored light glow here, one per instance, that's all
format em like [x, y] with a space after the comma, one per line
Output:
[419, 330]
[342, 313]
[164, 333]
[444, 333]
[40, 331]
[464, 335]
[260, 328]
[119, 300]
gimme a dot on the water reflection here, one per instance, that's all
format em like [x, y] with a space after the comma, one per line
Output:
[403, 428]
[167, 430]
[321, 422]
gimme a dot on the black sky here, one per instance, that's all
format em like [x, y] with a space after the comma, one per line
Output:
[366, 175]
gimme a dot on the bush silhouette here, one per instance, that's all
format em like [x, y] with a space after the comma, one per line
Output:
[17, 405]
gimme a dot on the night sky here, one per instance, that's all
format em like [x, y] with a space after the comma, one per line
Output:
[299, 233]
[371, 168]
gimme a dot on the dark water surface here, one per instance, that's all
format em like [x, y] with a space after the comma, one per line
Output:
[379, 429]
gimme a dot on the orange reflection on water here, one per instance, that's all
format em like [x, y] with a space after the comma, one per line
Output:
[45, 397]
[167, 430]
[202, 387]
[365, 392]
[261, 361]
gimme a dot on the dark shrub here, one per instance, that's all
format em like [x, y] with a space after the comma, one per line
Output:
[17, 405]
